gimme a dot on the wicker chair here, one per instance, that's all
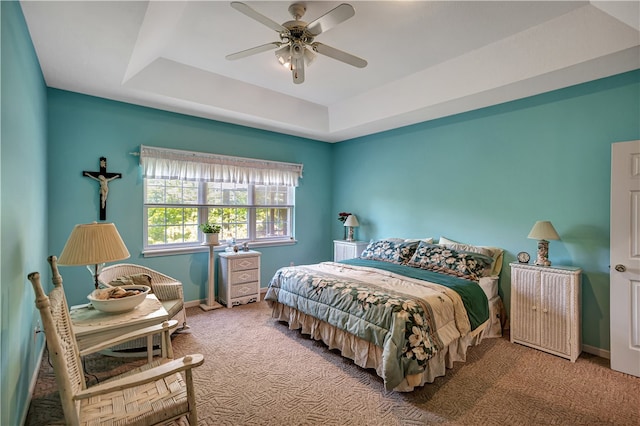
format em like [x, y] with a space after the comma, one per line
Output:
[153, 394]
[168, 291]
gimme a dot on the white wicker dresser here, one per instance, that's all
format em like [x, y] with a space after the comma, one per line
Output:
[545, 308]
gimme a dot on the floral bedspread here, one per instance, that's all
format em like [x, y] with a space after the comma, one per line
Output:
[411, 319]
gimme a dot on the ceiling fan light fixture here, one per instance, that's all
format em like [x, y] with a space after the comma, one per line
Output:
[297, 49]
[284, 56]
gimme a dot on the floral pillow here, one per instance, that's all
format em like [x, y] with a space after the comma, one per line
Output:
[389, 251]
[442, 259]
[494, 252]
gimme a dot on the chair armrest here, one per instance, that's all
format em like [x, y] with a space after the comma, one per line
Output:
[168, 291]
[171, 367]
[143, 332]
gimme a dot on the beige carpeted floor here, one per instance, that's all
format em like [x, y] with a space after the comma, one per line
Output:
[258, 372]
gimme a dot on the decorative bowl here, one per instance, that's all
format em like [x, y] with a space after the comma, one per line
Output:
[118, 305]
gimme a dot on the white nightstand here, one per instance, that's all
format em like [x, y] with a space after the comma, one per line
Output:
[545, 308]
[239, 278]
[343, 249]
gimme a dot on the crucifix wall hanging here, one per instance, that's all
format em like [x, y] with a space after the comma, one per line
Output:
[103, 178]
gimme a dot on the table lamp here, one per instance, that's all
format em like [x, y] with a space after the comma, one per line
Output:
[543, 231]
[93, 244]
[351, 222]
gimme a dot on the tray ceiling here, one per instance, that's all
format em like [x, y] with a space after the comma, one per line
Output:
[425, 59]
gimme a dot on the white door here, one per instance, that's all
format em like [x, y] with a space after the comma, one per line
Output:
[625, 257]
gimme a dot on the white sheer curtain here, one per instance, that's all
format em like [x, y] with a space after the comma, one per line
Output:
[163, 163]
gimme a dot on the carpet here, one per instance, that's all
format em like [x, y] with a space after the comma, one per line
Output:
[258, 372]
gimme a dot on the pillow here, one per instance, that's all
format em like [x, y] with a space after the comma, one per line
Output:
[410, 240]
[135, 279]
[389, 250]
[448, 261]
[417, 240]
[494, 252]
[490, 286]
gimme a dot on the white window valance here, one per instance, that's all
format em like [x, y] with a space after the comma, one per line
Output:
[163, 163]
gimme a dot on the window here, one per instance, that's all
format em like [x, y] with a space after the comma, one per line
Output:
[259, 208]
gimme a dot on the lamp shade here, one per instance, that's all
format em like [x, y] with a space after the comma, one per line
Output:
[543, 230]
[352, 220]
[92, 244]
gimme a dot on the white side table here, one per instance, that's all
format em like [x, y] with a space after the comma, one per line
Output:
[92, 326]
[343, 249]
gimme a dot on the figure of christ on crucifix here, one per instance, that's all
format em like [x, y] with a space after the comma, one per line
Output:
[103, 177]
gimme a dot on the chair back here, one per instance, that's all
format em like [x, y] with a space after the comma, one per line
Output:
[61, 341]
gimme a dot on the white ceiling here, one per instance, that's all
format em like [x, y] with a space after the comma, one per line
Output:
[426, 59]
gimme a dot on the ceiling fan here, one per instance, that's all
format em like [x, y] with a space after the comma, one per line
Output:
[297, 45]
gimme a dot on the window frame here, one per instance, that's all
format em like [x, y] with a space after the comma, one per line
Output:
[203, 208]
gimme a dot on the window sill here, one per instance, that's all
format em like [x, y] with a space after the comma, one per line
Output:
[205, 248]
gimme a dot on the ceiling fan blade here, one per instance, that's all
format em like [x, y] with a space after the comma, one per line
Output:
[339, 55]
[243, 8]
[297, 69]
[253, 50]
[330, 19]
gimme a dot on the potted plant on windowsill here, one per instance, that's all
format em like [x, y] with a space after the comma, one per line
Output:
[211, 232]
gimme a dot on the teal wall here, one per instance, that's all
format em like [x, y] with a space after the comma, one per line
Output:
[23, 210]
[486, 176]
[84, 128]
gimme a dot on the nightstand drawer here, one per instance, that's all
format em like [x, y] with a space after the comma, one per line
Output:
[244, 263]
[244, 276]
[247, 289]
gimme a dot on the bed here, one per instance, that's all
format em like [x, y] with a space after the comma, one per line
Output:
[407, 308]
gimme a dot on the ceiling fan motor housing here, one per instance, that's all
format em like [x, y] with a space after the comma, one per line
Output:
[297, 31]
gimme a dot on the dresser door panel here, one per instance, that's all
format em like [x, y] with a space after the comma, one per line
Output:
[555, 312]
[525, 295]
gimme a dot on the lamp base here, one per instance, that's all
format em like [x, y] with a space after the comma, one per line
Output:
[95, 271]
[350, 234]
[543, 253]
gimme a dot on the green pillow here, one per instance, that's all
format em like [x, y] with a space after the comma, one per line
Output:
[135, 279]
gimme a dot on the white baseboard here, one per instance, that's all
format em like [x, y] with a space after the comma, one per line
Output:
[603, 353]
[194, 303]
[32, 385]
